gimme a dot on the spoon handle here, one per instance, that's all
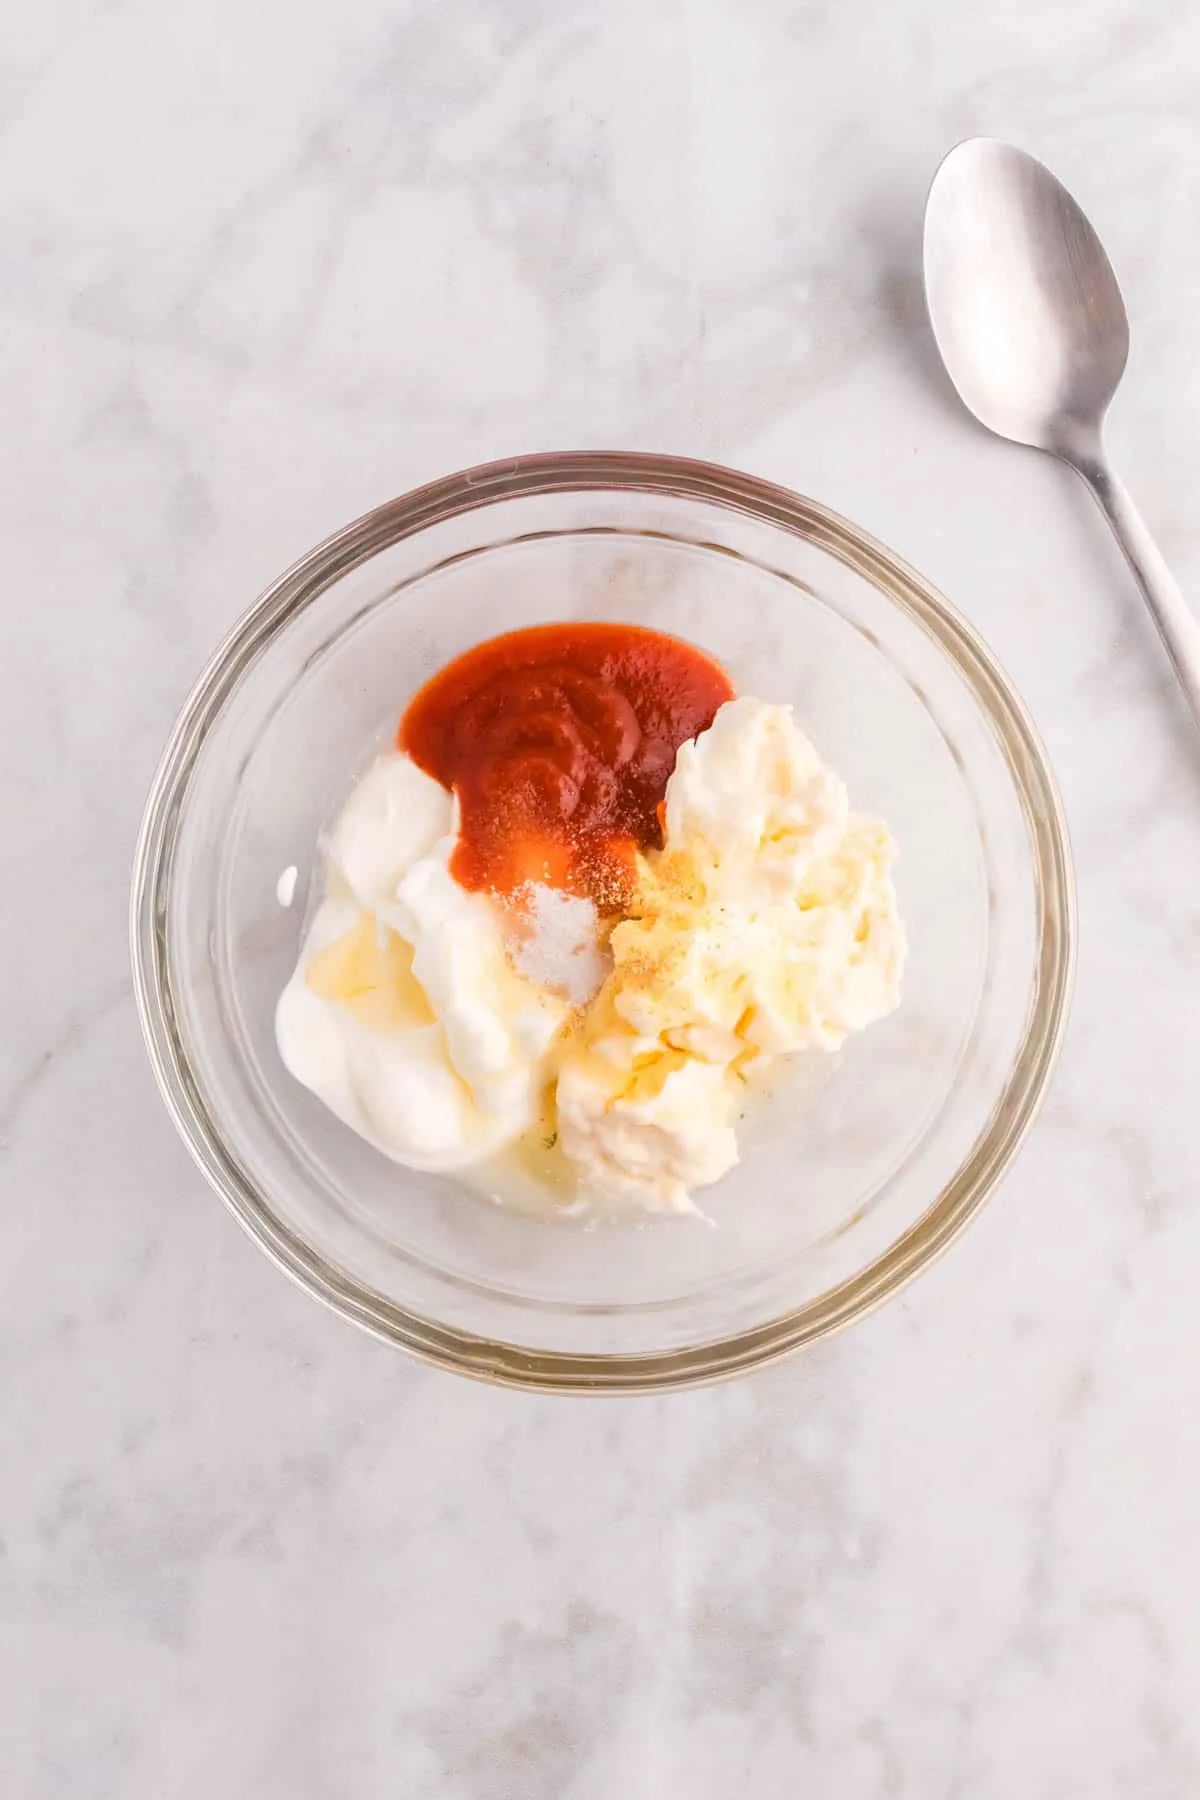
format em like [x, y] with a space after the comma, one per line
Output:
[1177, 624]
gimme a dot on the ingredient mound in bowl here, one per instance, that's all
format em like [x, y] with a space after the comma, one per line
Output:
[586, 905]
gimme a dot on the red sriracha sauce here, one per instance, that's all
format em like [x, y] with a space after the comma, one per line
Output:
[559, 741]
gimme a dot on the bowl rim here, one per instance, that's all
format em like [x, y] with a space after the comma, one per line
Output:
[962, 1196]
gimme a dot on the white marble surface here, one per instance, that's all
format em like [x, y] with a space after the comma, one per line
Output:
[264, 263]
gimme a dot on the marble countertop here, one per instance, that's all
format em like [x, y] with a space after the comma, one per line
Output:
[265, 263]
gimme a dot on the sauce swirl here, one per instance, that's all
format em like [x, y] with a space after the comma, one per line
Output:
[559, 741]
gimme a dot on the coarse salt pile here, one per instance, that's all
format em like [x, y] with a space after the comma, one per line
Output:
[556, 941]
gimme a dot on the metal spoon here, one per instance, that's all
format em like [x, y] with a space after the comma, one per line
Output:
[1032, 329]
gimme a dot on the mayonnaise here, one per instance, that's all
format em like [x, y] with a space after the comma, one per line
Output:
[404, 1014]
[767, 925]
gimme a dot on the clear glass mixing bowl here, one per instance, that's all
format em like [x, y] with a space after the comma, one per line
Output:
[863, 1167]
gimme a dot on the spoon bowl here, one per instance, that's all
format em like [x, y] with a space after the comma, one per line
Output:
[1023, 300]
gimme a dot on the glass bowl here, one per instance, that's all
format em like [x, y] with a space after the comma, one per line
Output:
[861, 1169]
